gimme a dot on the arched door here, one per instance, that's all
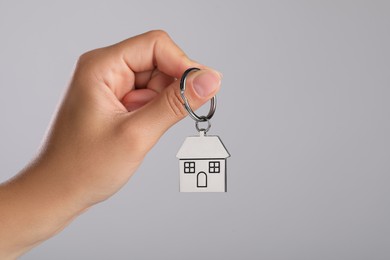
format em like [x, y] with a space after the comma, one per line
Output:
[201, 180]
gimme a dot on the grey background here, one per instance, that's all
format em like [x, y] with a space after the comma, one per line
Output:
[304, 111]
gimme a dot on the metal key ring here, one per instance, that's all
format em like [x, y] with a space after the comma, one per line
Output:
[205, 130]
[213, 101]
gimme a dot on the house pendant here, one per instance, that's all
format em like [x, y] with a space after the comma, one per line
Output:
[202, 161]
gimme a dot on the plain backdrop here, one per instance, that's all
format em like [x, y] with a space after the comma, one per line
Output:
[304, 111]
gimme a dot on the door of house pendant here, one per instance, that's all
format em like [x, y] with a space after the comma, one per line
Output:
[201, 180]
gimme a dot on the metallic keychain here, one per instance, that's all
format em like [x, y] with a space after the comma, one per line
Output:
[202, 158]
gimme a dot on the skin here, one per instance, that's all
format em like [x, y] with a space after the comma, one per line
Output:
[120, 101]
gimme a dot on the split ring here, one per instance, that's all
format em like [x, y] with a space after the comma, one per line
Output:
[213, 101]
[203, 129]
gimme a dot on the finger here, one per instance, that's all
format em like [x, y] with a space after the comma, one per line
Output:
[141, 79]
[134, 99]
[138, 98]
[154, 49]
[155, 80]
[153, 119]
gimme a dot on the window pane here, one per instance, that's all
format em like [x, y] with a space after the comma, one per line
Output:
[189, 167]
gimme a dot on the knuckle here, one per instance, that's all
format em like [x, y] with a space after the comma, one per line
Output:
[91, 63]
[159, 34]
[85, 57]
[85, 61]
[175, 104]
[92, 56]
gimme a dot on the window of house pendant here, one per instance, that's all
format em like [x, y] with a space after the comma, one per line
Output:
[189, 167]
[214, 167]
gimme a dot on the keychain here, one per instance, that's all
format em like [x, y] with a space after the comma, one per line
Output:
[202, 158]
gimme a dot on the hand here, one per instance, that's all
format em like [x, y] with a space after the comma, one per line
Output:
[120, 100]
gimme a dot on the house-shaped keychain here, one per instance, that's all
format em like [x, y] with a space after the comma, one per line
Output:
[202, 161]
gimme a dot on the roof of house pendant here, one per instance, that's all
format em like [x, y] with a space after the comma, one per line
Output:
[202, 147]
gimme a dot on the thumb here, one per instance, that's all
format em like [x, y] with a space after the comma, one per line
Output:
[153, 119]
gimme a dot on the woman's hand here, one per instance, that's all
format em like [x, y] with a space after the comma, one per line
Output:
[120, 100]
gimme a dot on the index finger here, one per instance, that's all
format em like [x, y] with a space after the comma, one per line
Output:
[154, 49]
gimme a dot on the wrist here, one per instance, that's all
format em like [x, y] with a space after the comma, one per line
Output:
[35, 206]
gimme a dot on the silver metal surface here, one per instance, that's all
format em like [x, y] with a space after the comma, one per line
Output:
[213, 101]
[205, 130]
[203, 164]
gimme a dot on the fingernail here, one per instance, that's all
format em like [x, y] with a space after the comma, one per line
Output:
[206, 82]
